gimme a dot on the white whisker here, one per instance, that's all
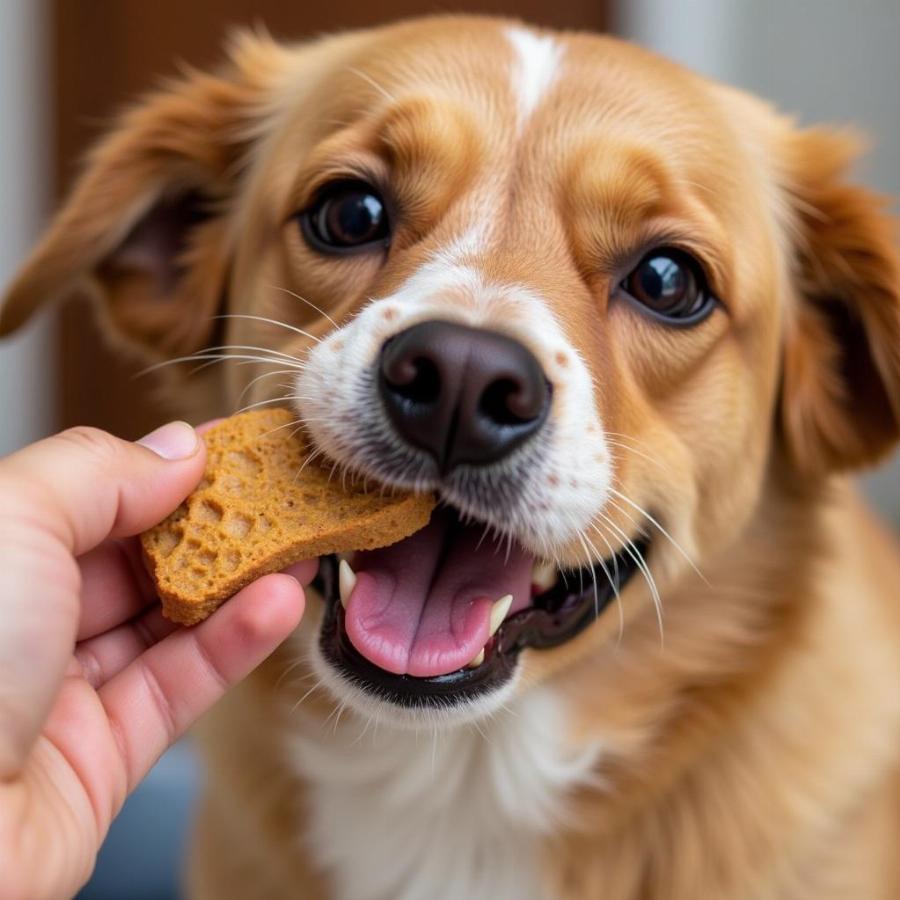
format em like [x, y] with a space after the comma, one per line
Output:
[584, 544]
[636, 452]
[243, 409]
[269, 350]
[260, 378]
[613, 580]
[659, 527]
[632, 550]
[212, 358]
[371, 81]
[321, 312]
[300, 331]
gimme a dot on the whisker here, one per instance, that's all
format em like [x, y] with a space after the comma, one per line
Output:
[268, 350]
[637, 452]
[305, 334]
[279, 427]
[613, 580]
[321, 312]
[259, 403]
[369, 80]
[660, 528]
[287, 671]
[221, 357]
[632, 550]
[362, 734]
[314, 455]
[260, 378]
[584, 544]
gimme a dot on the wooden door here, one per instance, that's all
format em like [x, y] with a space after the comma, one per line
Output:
[108, 51]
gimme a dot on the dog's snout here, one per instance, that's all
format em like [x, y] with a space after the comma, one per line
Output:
[464, 395]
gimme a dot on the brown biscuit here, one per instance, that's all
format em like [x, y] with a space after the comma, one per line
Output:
[263, 504]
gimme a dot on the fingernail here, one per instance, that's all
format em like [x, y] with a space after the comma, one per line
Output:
[176, 440]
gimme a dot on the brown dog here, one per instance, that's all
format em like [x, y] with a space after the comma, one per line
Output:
[635, 328]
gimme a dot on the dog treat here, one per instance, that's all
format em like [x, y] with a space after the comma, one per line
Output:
[264, 503]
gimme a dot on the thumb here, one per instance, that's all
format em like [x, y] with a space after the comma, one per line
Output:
[85, 485]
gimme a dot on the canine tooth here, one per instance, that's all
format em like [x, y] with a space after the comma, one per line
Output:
[477, 661]
[499, 611]
[543, 576]
[346, 581]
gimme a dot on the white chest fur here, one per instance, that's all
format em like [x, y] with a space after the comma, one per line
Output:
[459, 813]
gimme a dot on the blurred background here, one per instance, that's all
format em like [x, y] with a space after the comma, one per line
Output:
[67, 65]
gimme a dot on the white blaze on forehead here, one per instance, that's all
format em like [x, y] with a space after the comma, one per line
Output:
[538, 64]
[470, 243]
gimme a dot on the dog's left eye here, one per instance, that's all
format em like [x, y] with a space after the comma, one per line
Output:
[346, 217]
[671, 285]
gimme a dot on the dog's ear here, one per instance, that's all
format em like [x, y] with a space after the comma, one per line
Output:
[142, 229]
[840, 402]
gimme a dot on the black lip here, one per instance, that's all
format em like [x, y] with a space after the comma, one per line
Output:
[537, 627]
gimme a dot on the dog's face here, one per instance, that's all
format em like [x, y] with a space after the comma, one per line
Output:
[589, 299]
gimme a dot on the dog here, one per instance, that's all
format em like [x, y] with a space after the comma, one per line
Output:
[634, 328]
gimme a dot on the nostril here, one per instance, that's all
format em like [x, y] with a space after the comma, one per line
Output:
[508, 401]
[502, 403]
[416, 379]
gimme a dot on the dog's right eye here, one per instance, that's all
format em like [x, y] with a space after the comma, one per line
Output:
[346, 217]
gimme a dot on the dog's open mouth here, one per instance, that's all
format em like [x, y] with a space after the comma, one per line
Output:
[444, 613]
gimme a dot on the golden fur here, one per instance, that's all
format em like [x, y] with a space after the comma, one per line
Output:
[753, 749]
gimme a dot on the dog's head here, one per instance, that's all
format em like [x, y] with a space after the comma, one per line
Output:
[590, 299]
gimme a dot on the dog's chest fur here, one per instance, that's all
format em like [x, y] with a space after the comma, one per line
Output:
[404, 815]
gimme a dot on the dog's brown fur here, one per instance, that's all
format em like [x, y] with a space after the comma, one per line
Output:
[756, 753]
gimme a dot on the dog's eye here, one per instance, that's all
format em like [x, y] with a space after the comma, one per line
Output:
[671, 285]
[346, 216]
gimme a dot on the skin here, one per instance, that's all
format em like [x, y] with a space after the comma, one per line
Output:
[97, 685]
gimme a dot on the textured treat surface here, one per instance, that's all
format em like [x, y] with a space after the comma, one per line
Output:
[262, 504]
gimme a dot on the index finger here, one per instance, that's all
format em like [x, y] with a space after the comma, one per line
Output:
[84, 485]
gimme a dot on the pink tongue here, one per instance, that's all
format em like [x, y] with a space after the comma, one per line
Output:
[422, 607]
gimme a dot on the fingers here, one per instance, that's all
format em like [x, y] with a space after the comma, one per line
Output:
[104, 655]
[115, 586]
[160, 694]
[61, 497]
[85, 485]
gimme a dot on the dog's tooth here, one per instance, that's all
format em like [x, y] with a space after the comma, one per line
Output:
[499, 611]
[543, 576]
[479, 659]
[346, 581]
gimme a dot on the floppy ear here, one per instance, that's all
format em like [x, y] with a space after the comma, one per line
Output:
[840, 403]
[142, 230]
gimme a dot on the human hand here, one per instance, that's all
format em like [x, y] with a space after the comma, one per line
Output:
[94, 684]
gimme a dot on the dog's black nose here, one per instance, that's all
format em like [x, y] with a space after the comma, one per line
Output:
[462, 394]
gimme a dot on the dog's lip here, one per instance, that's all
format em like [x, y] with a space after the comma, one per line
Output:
[553, 618]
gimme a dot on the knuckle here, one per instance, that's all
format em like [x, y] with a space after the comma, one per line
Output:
[163, 706]
[214, 671]
[91, 668]
[96, 443]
